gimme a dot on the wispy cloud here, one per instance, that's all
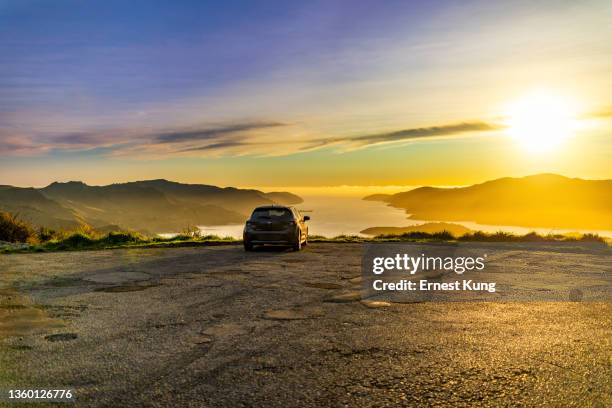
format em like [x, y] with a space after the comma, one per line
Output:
[214, 146]
[16, 143]
[276, 138]
[260, 138]
[402, 135]
[214, 132]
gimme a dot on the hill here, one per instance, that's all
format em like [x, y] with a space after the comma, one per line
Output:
[32, 205]
[147, 206]
[543, 200]
[377, 197]
[430, 227]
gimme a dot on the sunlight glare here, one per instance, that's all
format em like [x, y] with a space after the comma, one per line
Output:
[541, 121]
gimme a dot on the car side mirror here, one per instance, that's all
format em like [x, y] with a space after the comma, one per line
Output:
[306, 218]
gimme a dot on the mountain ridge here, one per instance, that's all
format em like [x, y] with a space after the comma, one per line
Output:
[151, 206]
[541, 200]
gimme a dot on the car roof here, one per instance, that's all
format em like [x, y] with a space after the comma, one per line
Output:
[274, 206]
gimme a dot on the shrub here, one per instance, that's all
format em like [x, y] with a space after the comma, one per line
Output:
[534, 237]
[418, 235]
[118, 238]
[46, 234]
[77, 240]
[348, 238]
[502, 236]
[181, 237]
[212, 237]
[12, 229]
[499, 236]
[475, 236]
[191, 231]
[592, 238]
[413, 235]
[443, 235]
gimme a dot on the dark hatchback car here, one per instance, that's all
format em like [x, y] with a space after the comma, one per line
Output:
[276, 225]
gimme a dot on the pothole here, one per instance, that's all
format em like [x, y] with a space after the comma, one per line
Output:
[285, 315]
[117, 277]
[345, 297]
[19, 317]
[125, 288]
[61, 337]
[323, 285]
[293, 314]
[225, 330]
[293, 260]
[20, 347]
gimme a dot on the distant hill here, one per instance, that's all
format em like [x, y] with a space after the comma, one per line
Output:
[282, 197]
[544, 200]
[430, 227]
[377, 197]
[149, 206]
[31, 205]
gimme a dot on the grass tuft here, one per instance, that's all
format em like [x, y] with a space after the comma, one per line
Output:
[12, 229]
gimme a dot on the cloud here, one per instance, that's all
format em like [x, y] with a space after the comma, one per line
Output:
[287, 145]
[262, 138]
[402, 135]
[214, 146]
[427, 132]
[213, 133]
[16, 143]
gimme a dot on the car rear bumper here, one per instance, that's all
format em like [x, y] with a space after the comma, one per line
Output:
[270, 237]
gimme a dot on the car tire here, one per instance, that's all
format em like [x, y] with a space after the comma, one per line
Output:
[298, 245]
[248, 246]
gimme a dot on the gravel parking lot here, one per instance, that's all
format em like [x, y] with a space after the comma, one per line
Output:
[215, 326]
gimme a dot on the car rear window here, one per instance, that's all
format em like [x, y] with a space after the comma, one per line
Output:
[272, 213]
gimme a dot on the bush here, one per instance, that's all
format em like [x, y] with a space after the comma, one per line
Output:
[443, 235]
[77, 240]
[118, 238]
[12, 229]
[212, 237]
[593, 238]
[46, 234]
[530, 237]
[191, 231]
[417, 236]
[180, 237]
[412, 235]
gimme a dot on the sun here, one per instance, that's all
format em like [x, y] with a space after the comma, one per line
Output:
[541, 121]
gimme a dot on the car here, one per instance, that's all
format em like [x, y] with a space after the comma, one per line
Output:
[276, 225]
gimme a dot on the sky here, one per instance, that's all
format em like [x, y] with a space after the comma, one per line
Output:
[304, 94]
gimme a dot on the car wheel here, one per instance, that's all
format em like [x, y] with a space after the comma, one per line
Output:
[248, 246]
[298, 245]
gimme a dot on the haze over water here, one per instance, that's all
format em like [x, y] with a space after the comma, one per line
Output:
[332, 216]
[337, 215]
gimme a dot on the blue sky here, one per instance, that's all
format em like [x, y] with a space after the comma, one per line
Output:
[122, 56]
[203, 91]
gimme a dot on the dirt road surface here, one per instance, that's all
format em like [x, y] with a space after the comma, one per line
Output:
[215, 326]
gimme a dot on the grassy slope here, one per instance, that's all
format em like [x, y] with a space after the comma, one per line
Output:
[82, 241]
